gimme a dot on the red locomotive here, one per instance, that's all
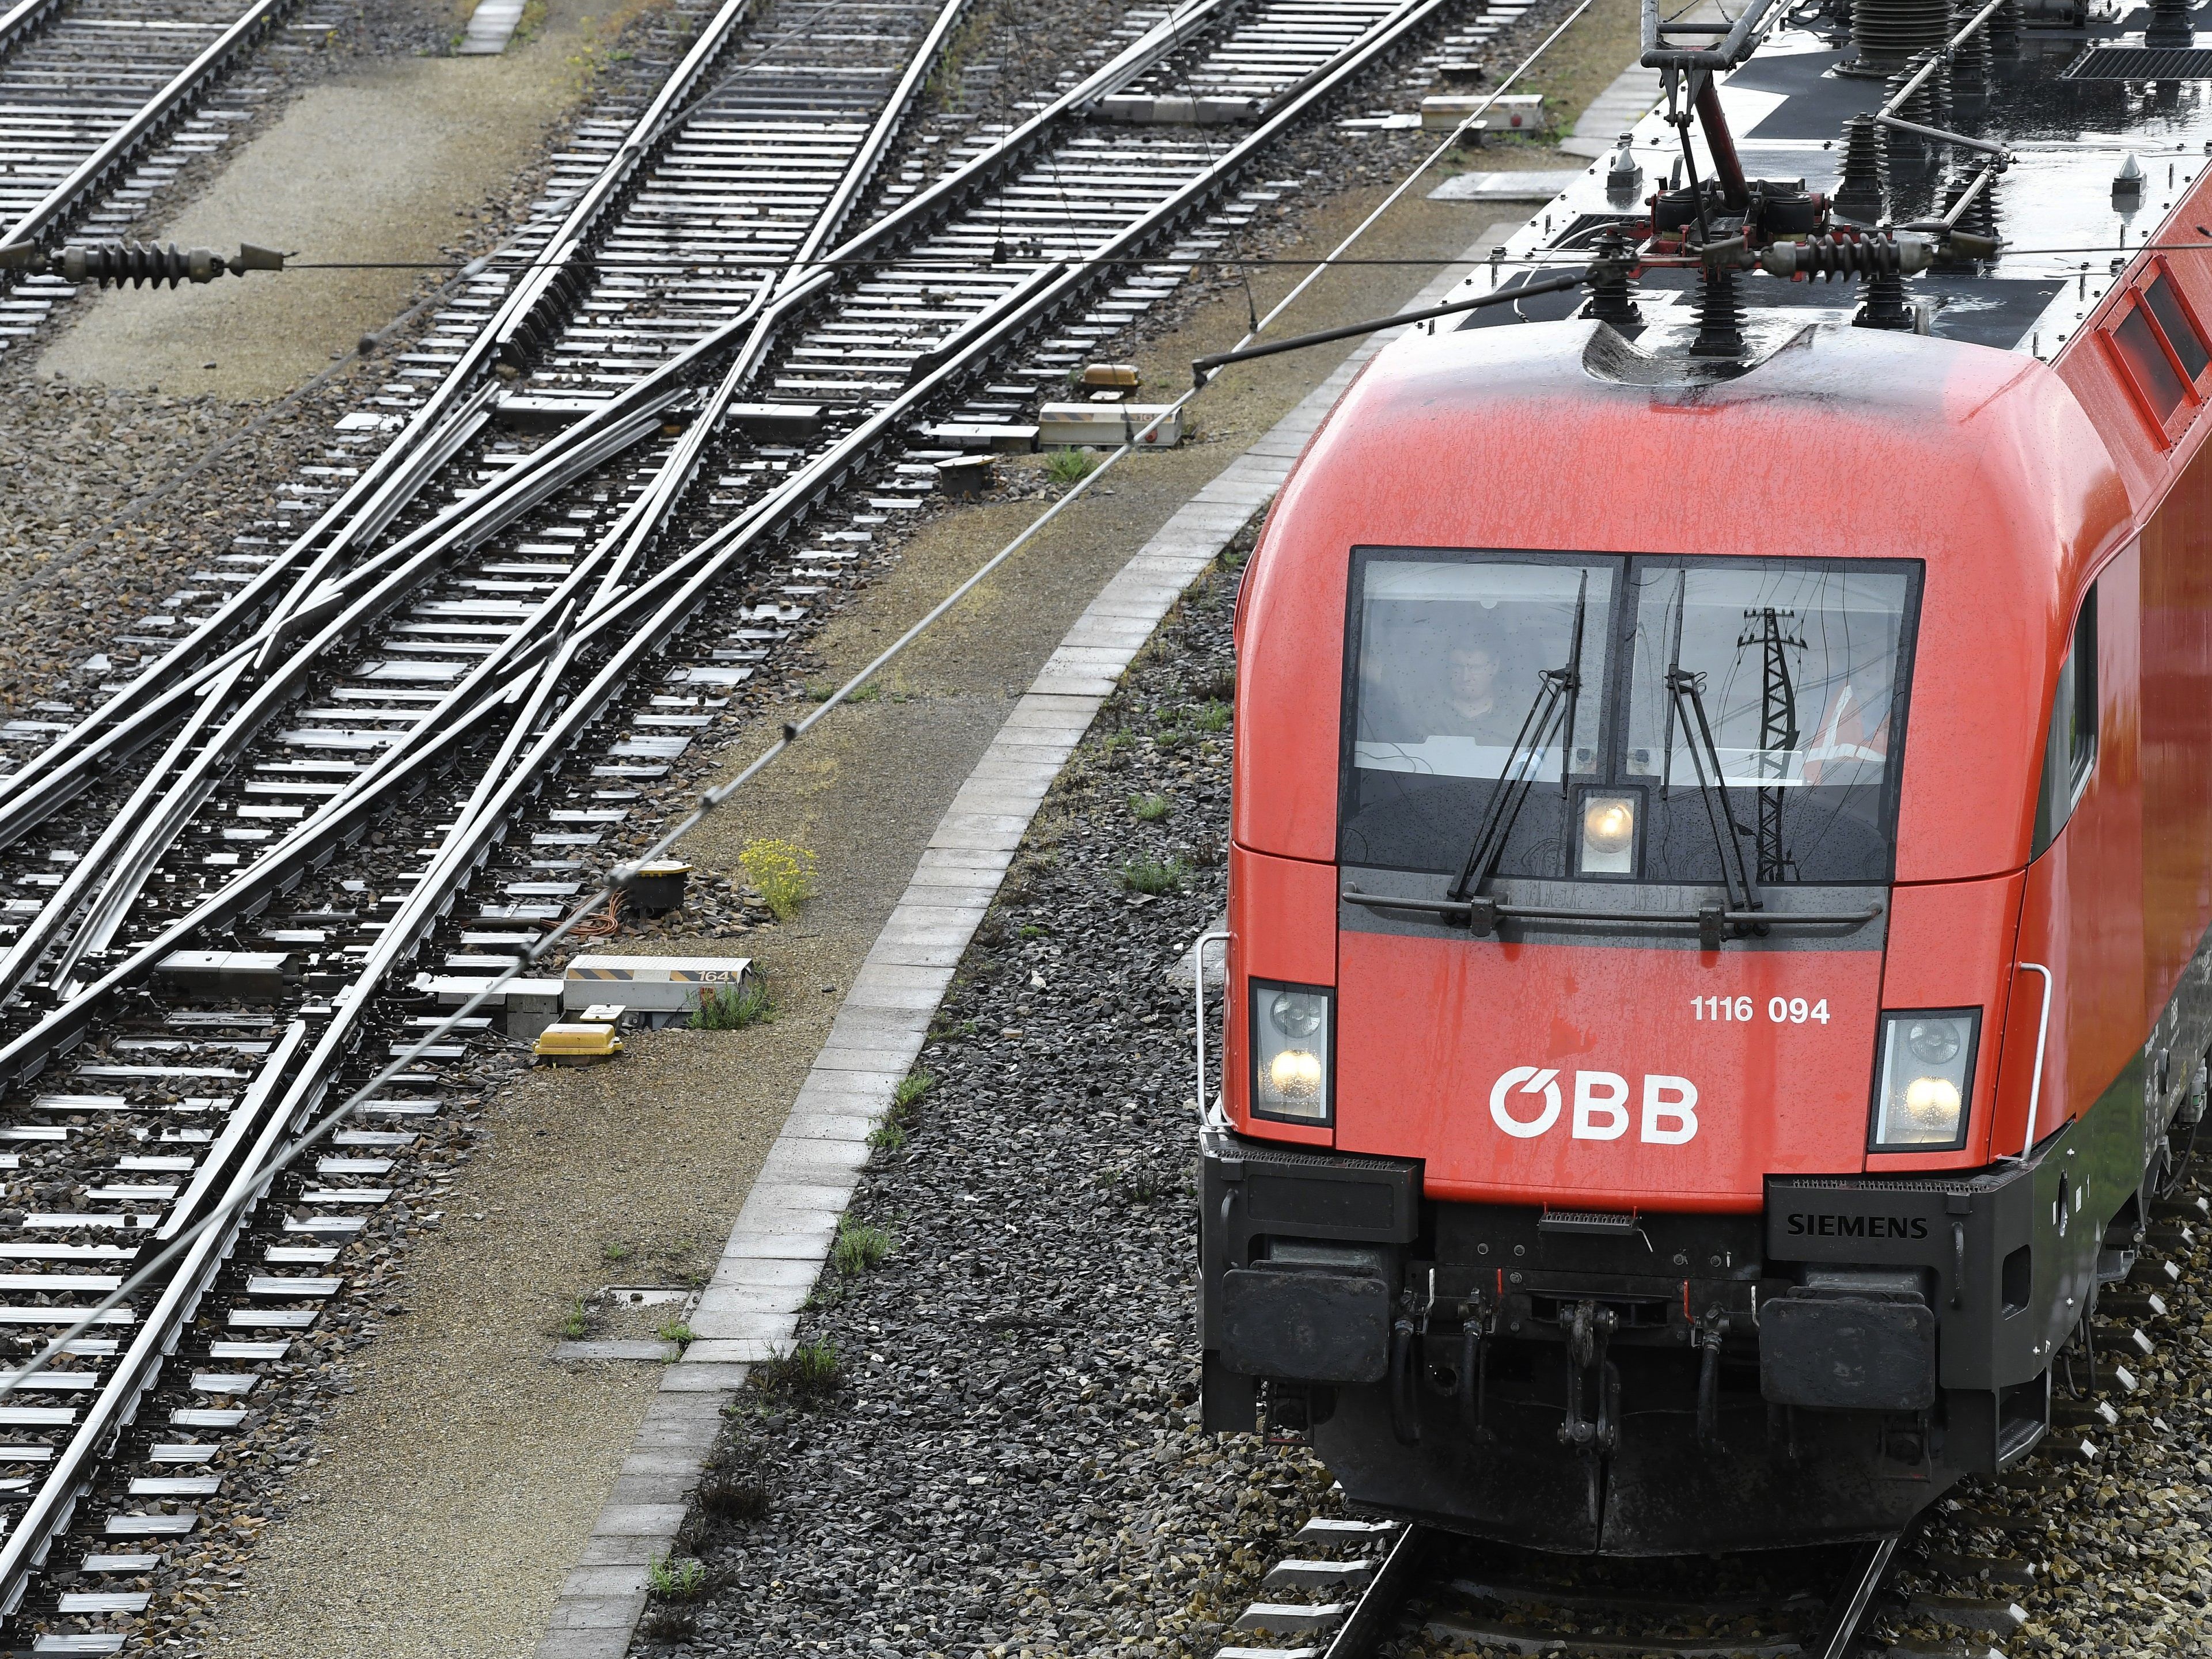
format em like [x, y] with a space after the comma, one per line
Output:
[1721, 847]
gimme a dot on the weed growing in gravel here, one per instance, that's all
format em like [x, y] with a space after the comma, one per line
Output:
[1211, 717]
[675, 1581]
[1149, 808]
[578, 1325]
[859, 1246]
[675, 1331]
[1140, 1186]
[1154, 876]
[1034, 930]
[729, 1497]
[1219, 686]
[782, 873]
[612, 1253]
[666, 1621]
[891, 1133]
[1067, 465]
[746, 1003]
[810, 1372]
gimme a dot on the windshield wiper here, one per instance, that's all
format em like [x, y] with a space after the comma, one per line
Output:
[1712, 919]
[1556, 697]
[1688, 692]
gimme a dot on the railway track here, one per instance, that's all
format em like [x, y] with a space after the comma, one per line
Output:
[102, 102]
[1956, 1585]
[409, 734]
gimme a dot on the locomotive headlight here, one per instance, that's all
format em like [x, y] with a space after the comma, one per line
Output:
[1608, 834]
[1291, 1036]
[1295, 1074]
[1297, 1013]
[1923, 1080]
[1935, 1041]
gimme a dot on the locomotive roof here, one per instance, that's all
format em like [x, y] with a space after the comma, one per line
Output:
[2065, 110]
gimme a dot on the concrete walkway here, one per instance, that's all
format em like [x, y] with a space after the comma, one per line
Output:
[1633, 94]
[750, 1310]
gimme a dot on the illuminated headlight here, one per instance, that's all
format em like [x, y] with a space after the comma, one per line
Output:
[1925, 1080]
[1291, 1059]
[1608, 834]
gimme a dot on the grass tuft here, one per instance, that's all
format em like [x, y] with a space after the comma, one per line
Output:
[731, 1008]
[1149, 808]
[859, 1246]
[1067, 466]
[675, 1331]
[668, 1621]
[1219, 686]
[1154, 876]
[578, 1325]
[673, 1580]
[810, 1372]
[729, 1497]
[782, 873]
[891, 1133]
[1211, 717]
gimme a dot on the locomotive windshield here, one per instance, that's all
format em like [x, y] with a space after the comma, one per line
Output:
[1782, 679]
[1453, 650]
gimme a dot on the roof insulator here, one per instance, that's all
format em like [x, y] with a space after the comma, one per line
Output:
[1620, 176]
[2128, 183]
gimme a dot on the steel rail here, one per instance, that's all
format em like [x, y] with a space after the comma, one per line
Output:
[1840, 1639]
[1394, 1581]
[661, 496]
[152, 116]
[311, 844]
[157, 826]
[66, 771]
[144, 705]
[647, 614]
[113, 845]
[586, 222]
[53, 1505]
[553, 267]
[643, 618]
[394, 478]
[463, 526]
[20, 20]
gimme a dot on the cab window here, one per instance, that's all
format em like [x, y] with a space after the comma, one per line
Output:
[2070, 750]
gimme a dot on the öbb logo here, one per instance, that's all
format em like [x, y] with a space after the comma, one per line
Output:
[1670, 1105]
